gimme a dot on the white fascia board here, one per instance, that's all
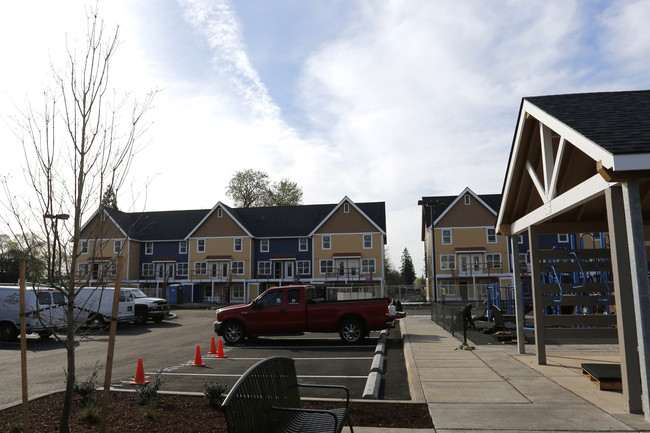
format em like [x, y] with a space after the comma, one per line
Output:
[90, 219]
[117, 225]
[579, 194]
[345, 199]
[634, 161]
[452, 204]
[225, 209]
[591, 149]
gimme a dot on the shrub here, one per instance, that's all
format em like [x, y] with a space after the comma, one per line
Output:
[213, 392]
[90, 411]
[148, 392]
[86, 389]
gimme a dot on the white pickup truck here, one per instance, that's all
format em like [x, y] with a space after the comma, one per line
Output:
[147, 307]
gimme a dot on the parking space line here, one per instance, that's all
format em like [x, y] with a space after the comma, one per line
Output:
[239, 375]
[306, 347]
[354, 358]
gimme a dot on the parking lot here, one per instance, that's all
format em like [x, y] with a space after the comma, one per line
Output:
[171, 345]
[320, 358]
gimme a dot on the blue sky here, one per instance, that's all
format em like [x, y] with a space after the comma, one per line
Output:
[375, 100]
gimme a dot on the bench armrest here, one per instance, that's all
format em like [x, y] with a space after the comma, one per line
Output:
[295, 409]
[313, 385]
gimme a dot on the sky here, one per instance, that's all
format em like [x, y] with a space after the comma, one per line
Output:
[375, 100]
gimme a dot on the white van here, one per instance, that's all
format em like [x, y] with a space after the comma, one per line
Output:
[94, 306]
[43, 307]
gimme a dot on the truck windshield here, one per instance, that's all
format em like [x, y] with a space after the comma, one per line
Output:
[137, 293]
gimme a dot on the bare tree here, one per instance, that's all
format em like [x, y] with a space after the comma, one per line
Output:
[80, 144]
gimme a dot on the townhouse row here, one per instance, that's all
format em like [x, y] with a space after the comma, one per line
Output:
[230, 255]
[464, 255]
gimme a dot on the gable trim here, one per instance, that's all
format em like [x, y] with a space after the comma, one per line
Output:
[346, 199]
[213, 210]
[457, 199]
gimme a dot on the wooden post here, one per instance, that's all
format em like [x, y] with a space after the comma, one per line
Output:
[640, 287]
[516, 282]
[625, 321]
[23, 349]
[106, 397]
[538, 299]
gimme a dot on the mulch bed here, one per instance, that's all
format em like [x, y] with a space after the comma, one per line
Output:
[191, 414]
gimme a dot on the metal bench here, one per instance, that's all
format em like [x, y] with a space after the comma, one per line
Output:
[266, 399]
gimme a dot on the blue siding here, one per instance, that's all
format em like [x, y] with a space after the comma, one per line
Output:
[282, 247]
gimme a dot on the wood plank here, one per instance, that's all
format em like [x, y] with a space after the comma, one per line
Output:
[607, 377]
[584, 334]
[573, 300]
[580, 320]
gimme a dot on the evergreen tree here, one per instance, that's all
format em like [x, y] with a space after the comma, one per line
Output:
[407, 270]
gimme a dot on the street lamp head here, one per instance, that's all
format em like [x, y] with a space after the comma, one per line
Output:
[60, 216]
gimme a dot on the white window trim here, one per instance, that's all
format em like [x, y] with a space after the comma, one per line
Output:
[328, 269]
[268, 245]
[365, 264]
[447, 267]
[307, 271]
[84, 265]
[219, 213]
[117, 246]
[329, 238]
[198, 245]
[467, 200]
[182, 250]
[184, 265]
[489, 265]
[146, 244]
[364, 242]
[300, 246]
[84, 247]
[235, 266]
[241, 245]
[564, 235]
[346, 207]
[487, 235]
[442, 237]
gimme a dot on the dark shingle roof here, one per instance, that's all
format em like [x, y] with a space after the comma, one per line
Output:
[291, 221]
[152, 226]
[442, 202]
[619, 122]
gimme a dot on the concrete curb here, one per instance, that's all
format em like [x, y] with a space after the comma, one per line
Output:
[372, 386]
[373, 383]
[415, 385]
[377, 364]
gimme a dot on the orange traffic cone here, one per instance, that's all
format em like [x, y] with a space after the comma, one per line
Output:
[213, 348]
[220, 353]
[139, 374]
[198, 362]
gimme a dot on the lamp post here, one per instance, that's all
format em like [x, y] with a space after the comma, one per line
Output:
[431, 207]
[55, 223]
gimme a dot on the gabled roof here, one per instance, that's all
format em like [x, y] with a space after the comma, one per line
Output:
[231, 213]
[156, 226]
[565, 150]
[619, 122]
[435, 207]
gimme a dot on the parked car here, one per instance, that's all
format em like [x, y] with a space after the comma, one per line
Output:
[147, 307]
[42, 307]
[94, 306]
[294, 310]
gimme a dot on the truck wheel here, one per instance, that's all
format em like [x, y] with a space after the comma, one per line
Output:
[140, 317]
[352, 331]
[95, 321]
[233, 332]
[8, 332]
[45, 334]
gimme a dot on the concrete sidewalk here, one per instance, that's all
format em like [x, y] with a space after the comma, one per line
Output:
[494, 389]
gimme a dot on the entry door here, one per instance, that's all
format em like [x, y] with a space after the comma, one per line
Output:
[464, 263]
[353, 266]
[169, 270]
[288, 270]
[462, 289]
[340, 267]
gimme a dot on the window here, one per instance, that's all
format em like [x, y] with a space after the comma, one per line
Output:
[346, 207]
[447, 288]
[147, 269]
[270, 299]
[238, 268]
[83, 269]
[326, 266]
[219, 213]
[182, 247]
[327, 242]
[293, 296]
[467, 200]
[493, 260]
[237, 291]
[264, 246]
[521, 240]
[446, 236]
[367, 241]
[84, 247]
[117, 246]
[148, 248]
[491, 235]
[564, 237]
[182, 269]
[200, 245]
[264, 268]
[238, 244]
[302, 244]
[367, 266]
[112, 269]
[200, 268]
[304, 267]
[447, 261]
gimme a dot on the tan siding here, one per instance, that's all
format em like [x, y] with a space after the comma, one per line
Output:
[98, 229]
[462, 215]
[352, 222]
[134, 260]
[216, 227]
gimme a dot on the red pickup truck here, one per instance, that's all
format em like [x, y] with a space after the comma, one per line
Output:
[298, 309]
